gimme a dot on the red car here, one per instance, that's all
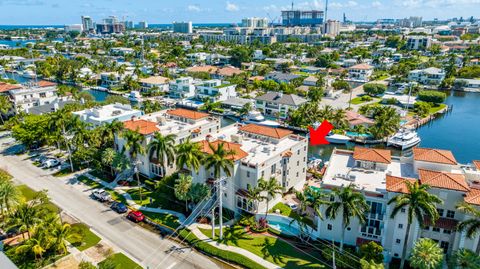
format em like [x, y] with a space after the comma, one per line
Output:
[135, 216]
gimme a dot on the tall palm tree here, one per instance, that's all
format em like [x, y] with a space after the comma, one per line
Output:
[426, 254]
[5, 106]
[134, 147]
[303, 198]
[471, 225]
[317, 199]
[182, 188]
[108, 156]
[60, 233]
[58, 123]
[272, 188]
[221, 159]
[9, 196]
[351, 204]
[254, 195]
[109, 130]
[419, 204]
[163, 149]
[189, 154]
[464, 259]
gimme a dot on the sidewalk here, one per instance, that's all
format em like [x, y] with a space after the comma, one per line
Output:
[194, 229]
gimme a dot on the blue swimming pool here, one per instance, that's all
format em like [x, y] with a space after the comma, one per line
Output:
[286, 229]
[358, 135]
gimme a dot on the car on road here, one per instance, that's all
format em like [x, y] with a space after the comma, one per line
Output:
[101, 195]
[50, 163]
[135, 216]
[119, 207]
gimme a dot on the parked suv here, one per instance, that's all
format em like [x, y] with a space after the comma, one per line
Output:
[102, 196]
[119, 207]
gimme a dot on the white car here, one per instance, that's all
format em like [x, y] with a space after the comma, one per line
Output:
[102, 196]
[50, 163]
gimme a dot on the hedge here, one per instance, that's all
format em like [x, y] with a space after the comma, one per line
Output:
[432, 96]
[374, 88]
[213, 251]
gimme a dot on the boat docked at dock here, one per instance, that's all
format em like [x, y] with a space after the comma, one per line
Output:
[256, 117]
[404, 139]
[338, 139]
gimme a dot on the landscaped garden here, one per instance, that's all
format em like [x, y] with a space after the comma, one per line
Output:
[164, 219]
[86, 240]
[119, 261]
[285, 210]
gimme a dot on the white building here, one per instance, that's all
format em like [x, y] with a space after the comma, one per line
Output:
[182, 123]
[87, 24]
[143, 25]
[159, 83]
[255, 22]
[215, 90]
[38, 94]
[107, 114]
[332, 27]
[419, 42]
[259, 152]
[360, 72]
[428, 76]
[182, 88]
[380, 177]
[73, 28]
[277, 104]
[183, 27]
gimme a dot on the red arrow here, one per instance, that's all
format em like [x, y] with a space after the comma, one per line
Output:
[317, 137]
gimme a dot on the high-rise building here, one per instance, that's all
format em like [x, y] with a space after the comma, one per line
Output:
[74, 28]
[129, 25]
[143, 25]
[183, 27]
[110, 25]
[302, 17]
[87, 24]
[332, 27]
[255, 22]
[411, 22]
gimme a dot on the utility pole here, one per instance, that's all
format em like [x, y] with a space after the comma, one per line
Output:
[333, 256]
[220, 186]
[213, 223]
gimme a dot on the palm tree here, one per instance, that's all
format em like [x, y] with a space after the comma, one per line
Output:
[464, 259]
[9, 196]
[317, 199]
[339, 119]
[303, 198]
[419, 204]
[426, 254]
[163, 149]
[254, 195]
[134, 147]
[5, 106]
[189, 154]
[108, 156]
[471, 225]
[220, 159]
[182, 188]
[198, 192]
[62, 232]
[58, 124]
[351, 204]
[109, 130]
[272, 188]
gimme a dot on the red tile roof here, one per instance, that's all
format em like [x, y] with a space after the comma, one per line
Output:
[434, 156]
[473, 196]
[443, 180]
[397, 184]
[356, 119]
[186, 113]
[44, 83]
[277, 133]
[443, 223]
[144, 127]
[5, 87]
[238, 152]
[476, 163]
[362, 67]
[372, 155]
[202, 69]
[229, 71]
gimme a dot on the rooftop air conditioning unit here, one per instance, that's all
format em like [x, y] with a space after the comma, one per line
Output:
[236, 139]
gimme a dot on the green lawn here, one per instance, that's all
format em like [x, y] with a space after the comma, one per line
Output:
[268, 248]
[165, 200]
[92, 184]
[64, 172]
[164, 219]
[285, 210]
[26, 192]
[117, 196]
[358, 100]
[89, 238]
[121, 261]
[435, 109]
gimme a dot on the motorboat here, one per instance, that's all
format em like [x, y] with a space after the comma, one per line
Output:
[29, 74]
[135, 96]
[404, 139]
[256, 117]
[337, 139]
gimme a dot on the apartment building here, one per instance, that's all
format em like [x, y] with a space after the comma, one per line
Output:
[181, 88]
[183, 123]
[215, 90]
[380, 177]
[260, 152]
[277, 104]
[108, 79]
[182, 27]
[427, 76]
[36, 94]
[159, 83]
[419, 42]
[360, 72]
[105, 114]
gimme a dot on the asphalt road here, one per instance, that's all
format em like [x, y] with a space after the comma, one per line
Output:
[145, 247]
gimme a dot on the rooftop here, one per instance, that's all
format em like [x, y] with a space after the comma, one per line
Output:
[142, 126]
[443, 180]
[155, 80]
[434, 156]
[372, 155]
[186, 113]
[277, 133]
[108, 112]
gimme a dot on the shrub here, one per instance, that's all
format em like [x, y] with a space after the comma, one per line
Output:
[432, 96]
[374, 88]
[366, 98]
[392, 101]
[421, 108]
[371, 251]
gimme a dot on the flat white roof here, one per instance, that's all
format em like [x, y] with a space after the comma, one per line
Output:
[107, 112]
[341, 171]
[172, 126]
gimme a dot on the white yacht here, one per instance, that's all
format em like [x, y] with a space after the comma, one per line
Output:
[256, 117]
[135, 96]
[29, 74]
[404, 139]
[337, 139]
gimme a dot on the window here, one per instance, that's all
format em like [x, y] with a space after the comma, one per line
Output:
[263, 173]
[395, 254]
[435, 229]
[248, 173]
[444, 245]
[398, 241]
[329, 227]
[426, 228]
[298, 152]
[402, 210]
[298, 163]
[332, 198]
[274, 166]
[400, 226]
[298, 174]
[440, 212]
[450, 214]
[445, 231]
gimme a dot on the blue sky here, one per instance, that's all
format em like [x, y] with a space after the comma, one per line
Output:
[163, 11]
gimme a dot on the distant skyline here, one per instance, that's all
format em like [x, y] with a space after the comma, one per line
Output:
[58, 12]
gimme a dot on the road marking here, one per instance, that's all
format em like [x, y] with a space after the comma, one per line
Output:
[171, 265]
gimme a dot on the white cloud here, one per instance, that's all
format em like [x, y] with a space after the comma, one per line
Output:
[435, 3]
[377, 4]
[231, 7]
[348, 4]
[194, 8]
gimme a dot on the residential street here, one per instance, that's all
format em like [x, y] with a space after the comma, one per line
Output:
[143, 246]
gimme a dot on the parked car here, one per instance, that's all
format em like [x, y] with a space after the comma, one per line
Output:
[135, 216]
[50, 163]
[119, 207]
[102, 196]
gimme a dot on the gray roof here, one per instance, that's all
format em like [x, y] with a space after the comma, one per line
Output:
[284, 99]
[38, 110]
[235, 101]
[279, 76]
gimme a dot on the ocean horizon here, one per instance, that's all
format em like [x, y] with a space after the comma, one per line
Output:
[153, 26]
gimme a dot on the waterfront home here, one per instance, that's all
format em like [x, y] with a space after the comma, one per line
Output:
[467, 84]
[379, 176]
[259, 152]
[277, 104]
[360, 72]
[157, 83]
[215, 90]
[121, 51]
[427, 76]
[356, 119]
[182, 88]
[105, 114]
[226, 72]
[108, 79]
[35, 94]
[280, 77]
[182, 123]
